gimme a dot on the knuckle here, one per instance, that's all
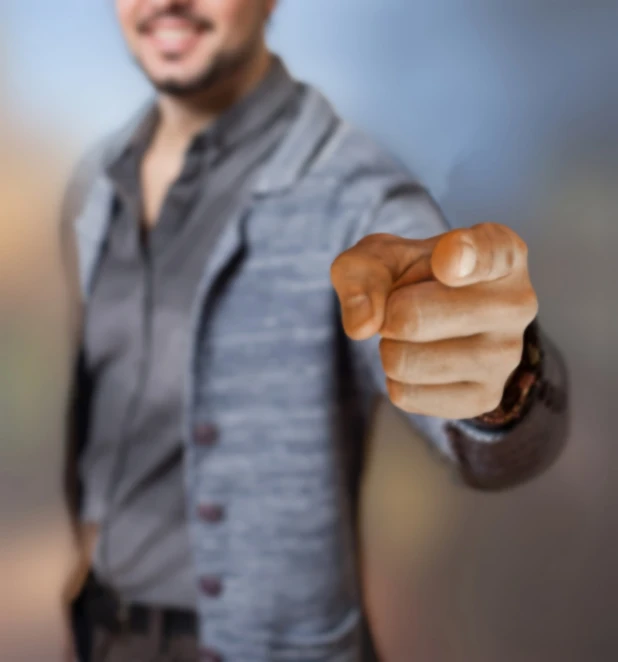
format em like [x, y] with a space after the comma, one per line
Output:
[531, 305]
[414, 318]
[507, 354]
[487, 233]
[490, 398]
[523, 307]
[347, 268]
[392, 358]
[506, 238]
[483, 399]
[462, 234]
[510, 259]
[406, 317]
[337, 268]
[498, 357]
[513, 249]
[399, 394]
[520, 306]
[395, 392]
[375, 239]
[485, 227]
[342, 262]
[521, 246]
[513, 352]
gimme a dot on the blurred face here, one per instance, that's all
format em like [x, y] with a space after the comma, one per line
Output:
[186, 46]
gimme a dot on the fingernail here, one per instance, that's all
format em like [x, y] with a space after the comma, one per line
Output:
[358, 310]
[467, 260]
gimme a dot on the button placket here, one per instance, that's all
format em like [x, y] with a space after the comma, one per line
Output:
[206, 435]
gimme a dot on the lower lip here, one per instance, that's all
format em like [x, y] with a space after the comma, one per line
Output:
[175, 45]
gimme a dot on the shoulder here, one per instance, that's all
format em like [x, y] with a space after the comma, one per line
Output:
[93, 161]
[355, 168]
[346, 180]
[85, 170]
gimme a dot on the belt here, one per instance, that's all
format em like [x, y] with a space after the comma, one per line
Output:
[105, 609]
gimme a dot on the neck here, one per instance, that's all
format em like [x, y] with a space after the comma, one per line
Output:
[180, 118]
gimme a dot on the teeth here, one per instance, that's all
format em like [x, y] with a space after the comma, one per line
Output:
[173, 34]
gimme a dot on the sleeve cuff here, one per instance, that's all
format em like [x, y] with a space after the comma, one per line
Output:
[520, 392]
[498, 457]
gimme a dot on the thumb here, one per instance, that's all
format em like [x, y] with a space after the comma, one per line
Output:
[483, 253]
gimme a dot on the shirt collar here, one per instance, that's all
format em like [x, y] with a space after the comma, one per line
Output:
[255, 111]
[248, 116]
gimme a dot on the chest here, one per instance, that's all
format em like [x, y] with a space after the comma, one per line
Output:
[156, 174]
[256, 270]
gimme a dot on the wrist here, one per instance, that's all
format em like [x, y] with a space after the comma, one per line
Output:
[521, 387]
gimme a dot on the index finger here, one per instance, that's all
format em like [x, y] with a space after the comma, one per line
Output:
[362, 280]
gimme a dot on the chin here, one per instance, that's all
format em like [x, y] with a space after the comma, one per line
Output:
[177, 78]
[181, 85]
[183, 78]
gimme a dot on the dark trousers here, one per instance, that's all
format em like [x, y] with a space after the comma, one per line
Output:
[103, 634]
[107, 631]
[149, 646]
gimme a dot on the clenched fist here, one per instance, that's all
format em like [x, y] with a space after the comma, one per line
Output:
[451, 312]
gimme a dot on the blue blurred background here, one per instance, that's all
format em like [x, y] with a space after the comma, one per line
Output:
[508, 111]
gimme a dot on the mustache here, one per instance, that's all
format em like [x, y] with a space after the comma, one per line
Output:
[199, 22]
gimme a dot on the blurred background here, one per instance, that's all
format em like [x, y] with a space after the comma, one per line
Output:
[508, 111]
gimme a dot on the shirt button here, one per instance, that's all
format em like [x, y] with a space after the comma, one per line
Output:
[207, 655]
[211, 512]
[211, 586]
[205, 434]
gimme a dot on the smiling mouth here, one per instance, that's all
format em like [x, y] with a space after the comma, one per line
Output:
[174, 36]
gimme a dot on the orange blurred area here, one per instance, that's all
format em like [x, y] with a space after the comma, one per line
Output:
[34, 545]
[31, 179]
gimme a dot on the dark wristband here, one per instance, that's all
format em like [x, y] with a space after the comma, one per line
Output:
[520, 389]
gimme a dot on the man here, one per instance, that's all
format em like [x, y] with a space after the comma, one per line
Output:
[253, 273]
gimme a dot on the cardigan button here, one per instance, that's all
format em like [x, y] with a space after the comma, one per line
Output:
[207, 655]
[211, 586]
[205, 434]
[211, 512]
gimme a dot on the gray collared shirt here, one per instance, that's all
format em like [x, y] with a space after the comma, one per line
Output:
[137, 341]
